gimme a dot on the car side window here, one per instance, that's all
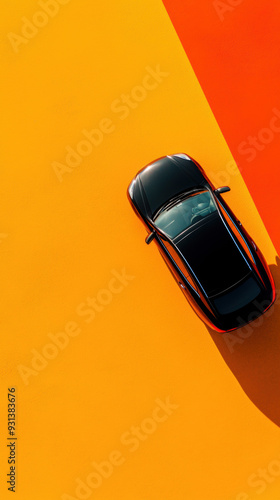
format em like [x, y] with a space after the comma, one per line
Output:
[236, 232]
[177, 259]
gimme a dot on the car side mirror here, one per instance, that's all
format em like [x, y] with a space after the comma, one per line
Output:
[223, 189]
[150, 237]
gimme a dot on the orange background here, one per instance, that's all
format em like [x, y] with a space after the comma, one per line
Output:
[63, 241]
[233, 47]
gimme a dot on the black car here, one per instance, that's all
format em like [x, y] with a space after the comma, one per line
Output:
[212, 257]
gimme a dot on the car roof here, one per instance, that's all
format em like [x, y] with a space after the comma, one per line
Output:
[212, 253]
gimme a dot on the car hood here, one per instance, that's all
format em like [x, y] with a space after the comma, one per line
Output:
[213, 255]
[168, 177]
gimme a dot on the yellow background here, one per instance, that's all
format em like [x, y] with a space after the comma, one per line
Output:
[61, 242]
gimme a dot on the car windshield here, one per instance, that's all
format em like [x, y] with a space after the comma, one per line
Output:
[184, 212]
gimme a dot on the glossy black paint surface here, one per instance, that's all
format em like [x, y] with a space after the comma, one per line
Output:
[167, 178]
[209, 247]
[213, 259]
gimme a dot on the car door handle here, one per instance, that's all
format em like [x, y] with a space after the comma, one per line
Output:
[182, 286]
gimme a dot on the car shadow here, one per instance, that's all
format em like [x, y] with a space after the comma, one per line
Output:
[253, 355]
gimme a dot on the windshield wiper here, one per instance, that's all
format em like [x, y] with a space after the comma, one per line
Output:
[171, 203]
